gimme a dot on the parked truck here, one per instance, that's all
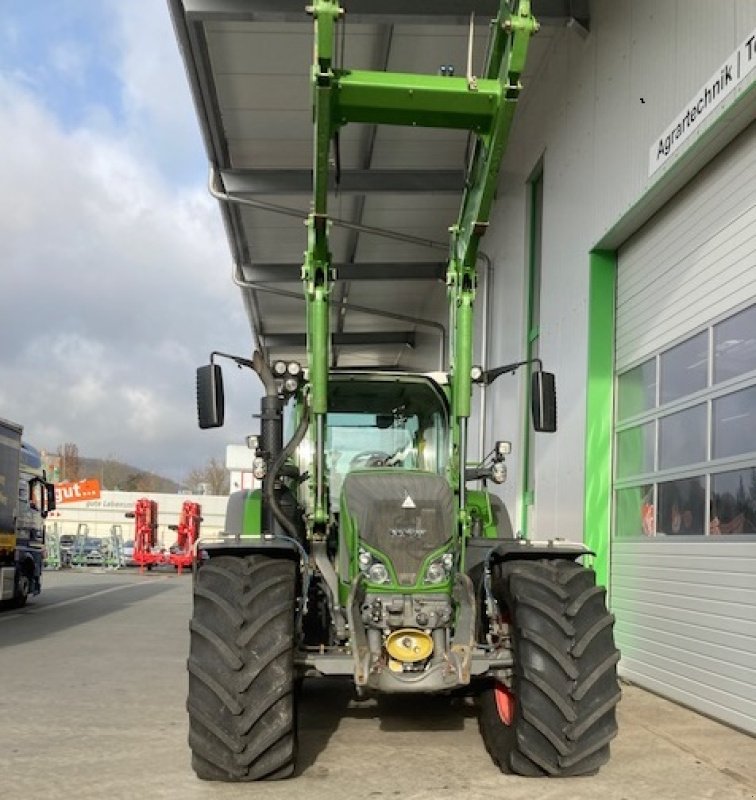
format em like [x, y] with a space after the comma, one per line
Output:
[25, 500]
[374, 549]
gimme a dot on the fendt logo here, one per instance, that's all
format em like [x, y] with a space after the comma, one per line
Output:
[407, 533]
[408, 501]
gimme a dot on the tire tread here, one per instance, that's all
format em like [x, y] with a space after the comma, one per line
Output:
[565, 672]
[242, 715]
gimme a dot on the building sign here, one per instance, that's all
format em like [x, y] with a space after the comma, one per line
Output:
[87, 489]
[722, 83]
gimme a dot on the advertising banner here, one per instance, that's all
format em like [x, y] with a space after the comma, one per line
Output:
[69, 492]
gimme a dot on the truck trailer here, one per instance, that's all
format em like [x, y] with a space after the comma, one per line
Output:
[25, 500]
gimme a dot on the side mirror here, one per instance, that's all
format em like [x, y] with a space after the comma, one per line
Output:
[543, 401]
[49, 489]
[210, 404]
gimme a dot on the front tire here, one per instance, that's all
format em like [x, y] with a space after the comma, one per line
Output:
[23, 589]
[558, 716]
[242, 716]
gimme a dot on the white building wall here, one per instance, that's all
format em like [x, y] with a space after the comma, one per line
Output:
[591, 111]
[506, 246]
[111, 508]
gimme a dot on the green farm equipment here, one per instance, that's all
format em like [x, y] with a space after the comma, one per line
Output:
[366, 553]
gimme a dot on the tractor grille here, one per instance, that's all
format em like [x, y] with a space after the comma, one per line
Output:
[405, 515]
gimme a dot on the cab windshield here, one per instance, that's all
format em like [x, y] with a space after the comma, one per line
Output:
[384, 423]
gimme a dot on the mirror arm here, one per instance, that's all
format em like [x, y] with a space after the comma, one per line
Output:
[477, 473]
[257, 364]
[238, 360]
[490, 375]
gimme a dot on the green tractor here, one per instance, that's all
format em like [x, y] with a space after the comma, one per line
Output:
[367, 552]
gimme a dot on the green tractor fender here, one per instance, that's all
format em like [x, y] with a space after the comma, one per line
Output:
[242, 533]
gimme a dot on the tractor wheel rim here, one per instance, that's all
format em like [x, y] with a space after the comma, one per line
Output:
[505, 703]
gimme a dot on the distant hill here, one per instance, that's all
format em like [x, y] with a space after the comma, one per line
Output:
[116, 475]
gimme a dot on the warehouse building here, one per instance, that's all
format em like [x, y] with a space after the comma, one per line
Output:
[632, 169]
[621, 252]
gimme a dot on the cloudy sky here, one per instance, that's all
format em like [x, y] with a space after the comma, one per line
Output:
[115, 273]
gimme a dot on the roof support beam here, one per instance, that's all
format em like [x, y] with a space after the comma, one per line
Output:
[390, 271]
[452, 12]
[290, 341]
[252, 182]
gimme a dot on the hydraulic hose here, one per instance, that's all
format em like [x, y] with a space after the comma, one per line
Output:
[276, 466]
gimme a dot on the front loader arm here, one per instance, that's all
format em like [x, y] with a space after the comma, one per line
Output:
[485, 107]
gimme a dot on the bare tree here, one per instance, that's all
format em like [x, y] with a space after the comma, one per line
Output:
[214, 475]
[70, 462]
[143, 482]
[111, 473]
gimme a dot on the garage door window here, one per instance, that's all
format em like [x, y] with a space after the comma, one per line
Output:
[637, 390]
[732, 500]
[735, 346]
[682, 438]
[635, 450]
[683, 369]
[735, 423]
[685, 436]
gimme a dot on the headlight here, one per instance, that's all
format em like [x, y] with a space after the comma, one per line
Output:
[438, 571]
[365, 560]
[378, 573]
[435, 573]
[279, 368]
[293, 368]
[498, 472]
[259, 468]
[374, 570]
[291, 385]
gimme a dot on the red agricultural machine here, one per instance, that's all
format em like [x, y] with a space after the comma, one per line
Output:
[147, 551]
[182, 553]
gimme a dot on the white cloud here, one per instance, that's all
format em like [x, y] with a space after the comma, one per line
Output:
[70, 59]
[156, 97]
[114, 284]
[143, 412]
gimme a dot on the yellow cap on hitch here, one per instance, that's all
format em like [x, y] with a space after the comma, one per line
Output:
[409, 645]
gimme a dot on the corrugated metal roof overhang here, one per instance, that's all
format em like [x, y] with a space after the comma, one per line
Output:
[248, 63]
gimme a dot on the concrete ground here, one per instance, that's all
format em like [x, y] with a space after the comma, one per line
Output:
[92, 706]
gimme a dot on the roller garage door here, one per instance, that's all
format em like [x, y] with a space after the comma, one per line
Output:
[683, 568]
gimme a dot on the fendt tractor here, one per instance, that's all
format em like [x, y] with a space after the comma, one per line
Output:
[373, 549]
[25, 500]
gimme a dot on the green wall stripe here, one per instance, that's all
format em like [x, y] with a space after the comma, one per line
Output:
[599, 409]
[532, 332]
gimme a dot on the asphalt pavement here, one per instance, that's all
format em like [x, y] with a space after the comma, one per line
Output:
[93, 687]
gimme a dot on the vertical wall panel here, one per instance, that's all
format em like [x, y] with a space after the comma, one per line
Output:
[686, 622]
[694, 261]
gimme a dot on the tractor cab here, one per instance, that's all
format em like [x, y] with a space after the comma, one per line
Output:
[386, 422]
